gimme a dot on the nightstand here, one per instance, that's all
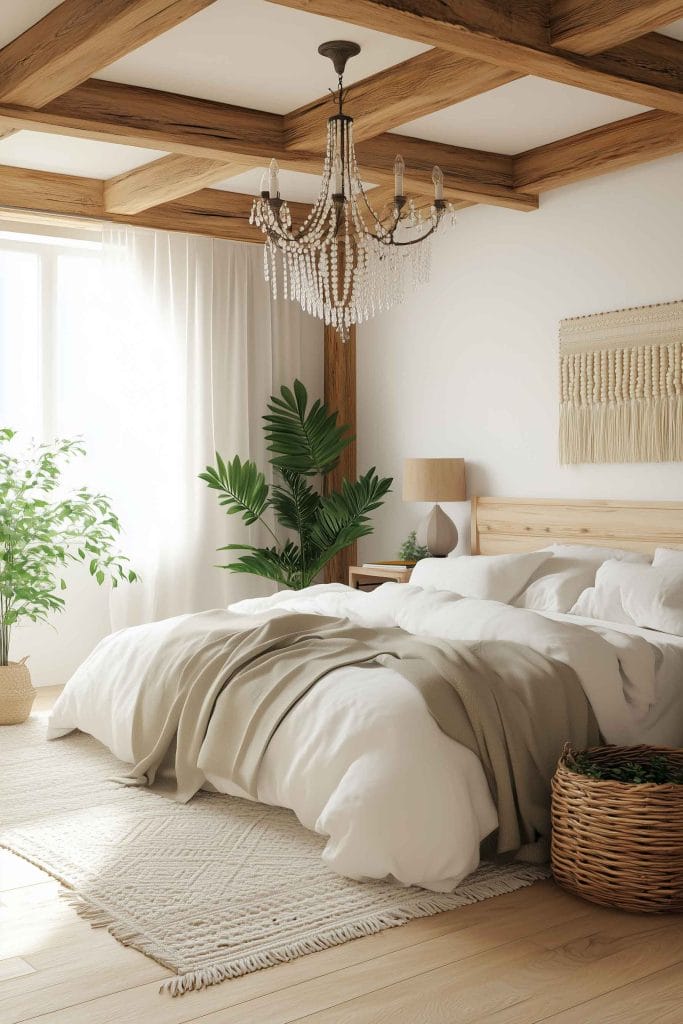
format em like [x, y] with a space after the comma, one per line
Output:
[367, 579]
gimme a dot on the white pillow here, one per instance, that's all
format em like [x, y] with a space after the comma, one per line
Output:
[558, 583]
[491, 577]
[650, 596]
[668, 556]
[603, 601]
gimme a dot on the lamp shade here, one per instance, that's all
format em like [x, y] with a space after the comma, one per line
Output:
[434, 480]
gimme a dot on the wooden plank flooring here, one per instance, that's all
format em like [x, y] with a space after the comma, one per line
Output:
[530, 956]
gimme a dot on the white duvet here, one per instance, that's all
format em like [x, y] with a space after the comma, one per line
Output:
[360, 759]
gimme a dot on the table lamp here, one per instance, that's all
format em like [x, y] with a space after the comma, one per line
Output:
[435, 480]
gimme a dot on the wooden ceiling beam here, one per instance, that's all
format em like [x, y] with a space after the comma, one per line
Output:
[515, 36]
[416, 87]
[79, 37]
[590, 26]
[612, 147]
[470, 175]
[234, 135]
[154, 119]
[207, 212]
[164, 180]
[210, 212]
[21, 189]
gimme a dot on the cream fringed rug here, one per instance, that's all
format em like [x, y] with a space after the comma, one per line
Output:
[212, 889]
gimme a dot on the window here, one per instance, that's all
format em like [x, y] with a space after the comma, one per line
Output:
[50, 290]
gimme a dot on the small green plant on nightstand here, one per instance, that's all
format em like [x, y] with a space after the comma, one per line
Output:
[411, 551]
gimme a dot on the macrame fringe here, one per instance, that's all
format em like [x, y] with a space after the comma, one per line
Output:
[640, 430]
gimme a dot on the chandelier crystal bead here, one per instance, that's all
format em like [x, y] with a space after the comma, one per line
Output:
[347, 261]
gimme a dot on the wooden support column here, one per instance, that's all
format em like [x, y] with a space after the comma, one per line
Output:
[340, 397]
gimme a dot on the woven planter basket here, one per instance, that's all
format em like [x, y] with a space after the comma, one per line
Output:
[619, 843]
[16, 693]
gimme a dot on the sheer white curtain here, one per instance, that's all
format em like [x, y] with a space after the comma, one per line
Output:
[195, 346]
[157, 349]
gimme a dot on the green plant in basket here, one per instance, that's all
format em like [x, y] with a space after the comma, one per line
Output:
[657, 769]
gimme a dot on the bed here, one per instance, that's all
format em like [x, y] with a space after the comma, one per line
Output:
[360, 752]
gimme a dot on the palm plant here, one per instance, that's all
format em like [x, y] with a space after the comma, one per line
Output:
[306, 443]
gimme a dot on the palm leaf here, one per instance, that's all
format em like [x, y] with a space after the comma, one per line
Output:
[281, 566]
[342, 517]
[242, 487]
[306, 441]
[295, 504]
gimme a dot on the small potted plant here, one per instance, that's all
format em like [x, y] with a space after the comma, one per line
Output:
[42, 529]
[617, 826]
[412, 552]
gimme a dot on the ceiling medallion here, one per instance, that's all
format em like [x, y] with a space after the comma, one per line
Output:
[347, 261]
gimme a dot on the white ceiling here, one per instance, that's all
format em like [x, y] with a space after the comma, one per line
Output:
[16, 17]
[64, 155]
[254, 54]
[520, 116]
[675, 30]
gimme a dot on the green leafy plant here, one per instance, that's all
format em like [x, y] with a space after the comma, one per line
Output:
[42, 530]
[411, 551]
[658, 769]
[306, 444]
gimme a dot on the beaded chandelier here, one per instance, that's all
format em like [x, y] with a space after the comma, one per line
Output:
[346, 262]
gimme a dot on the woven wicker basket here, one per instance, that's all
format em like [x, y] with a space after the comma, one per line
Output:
[618, 843]
[16, 693]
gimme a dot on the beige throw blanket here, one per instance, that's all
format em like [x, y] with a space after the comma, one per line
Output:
[219, 685]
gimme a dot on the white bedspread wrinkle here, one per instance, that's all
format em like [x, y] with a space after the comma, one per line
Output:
[617, 671]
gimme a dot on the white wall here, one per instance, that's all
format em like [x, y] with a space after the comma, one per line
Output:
[468, 366]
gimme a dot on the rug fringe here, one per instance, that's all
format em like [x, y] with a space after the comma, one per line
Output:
[97, 917]
[433, 904]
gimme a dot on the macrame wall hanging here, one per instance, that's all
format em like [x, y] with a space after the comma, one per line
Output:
[621, 386]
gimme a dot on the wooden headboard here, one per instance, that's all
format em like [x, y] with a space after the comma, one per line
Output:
[505, 525]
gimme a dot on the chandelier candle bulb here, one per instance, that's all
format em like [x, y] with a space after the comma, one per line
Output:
[399, 170]
[437, 178]
[338, 176]
[265, 190]
[274, 184]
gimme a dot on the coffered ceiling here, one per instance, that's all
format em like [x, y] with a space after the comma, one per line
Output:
[164, 112]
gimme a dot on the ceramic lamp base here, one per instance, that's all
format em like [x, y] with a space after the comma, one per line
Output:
[437, 532]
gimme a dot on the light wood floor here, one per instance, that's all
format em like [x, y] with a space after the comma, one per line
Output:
[533, 955]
